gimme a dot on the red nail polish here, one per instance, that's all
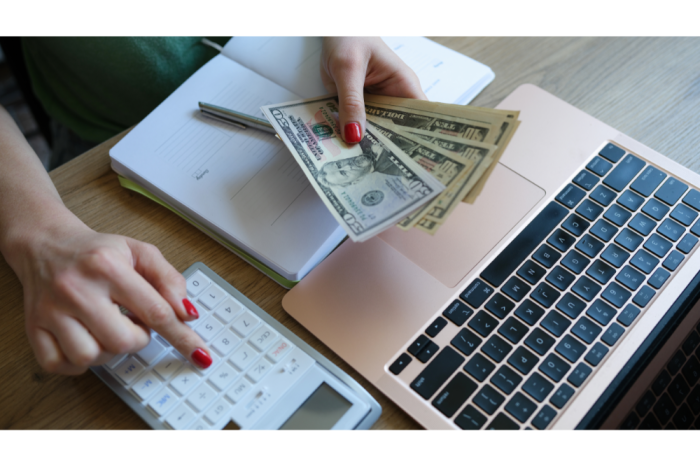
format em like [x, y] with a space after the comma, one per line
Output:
[202, 358]
[353, 133]
[189, 307]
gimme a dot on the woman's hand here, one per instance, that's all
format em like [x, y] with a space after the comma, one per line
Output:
[351, 65]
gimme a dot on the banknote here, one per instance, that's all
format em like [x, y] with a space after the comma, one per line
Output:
[368, 186]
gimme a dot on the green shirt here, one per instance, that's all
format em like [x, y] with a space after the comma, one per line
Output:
[99, 86]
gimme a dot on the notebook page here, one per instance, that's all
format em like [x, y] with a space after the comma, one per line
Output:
[243, 183]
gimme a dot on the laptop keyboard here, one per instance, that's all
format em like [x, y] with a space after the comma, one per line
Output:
[549, 308]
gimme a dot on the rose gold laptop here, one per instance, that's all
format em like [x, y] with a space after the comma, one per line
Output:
[563, 298]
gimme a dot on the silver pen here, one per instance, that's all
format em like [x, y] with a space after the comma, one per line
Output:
[238, 119]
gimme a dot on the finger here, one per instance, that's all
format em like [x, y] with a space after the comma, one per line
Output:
[48, 353]
[150, 263]
[115, 332]
[349, 73]
[77, 344]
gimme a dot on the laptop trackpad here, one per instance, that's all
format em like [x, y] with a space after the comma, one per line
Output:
[472, 230]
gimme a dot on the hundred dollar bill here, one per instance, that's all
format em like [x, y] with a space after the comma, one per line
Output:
[368, 186]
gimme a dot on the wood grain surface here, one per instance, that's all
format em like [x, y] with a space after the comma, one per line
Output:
[648, 88]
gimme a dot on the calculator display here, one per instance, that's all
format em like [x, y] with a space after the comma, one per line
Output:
[320, 411]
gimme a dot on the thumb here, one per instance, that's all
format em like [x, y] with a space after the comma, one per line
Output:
[350, 84]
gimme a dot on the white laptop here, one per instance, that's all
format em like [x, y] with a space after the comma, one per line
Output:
[563, 298]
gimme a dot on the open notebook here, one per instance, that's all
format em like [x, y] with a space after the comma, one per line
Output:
[242, 187]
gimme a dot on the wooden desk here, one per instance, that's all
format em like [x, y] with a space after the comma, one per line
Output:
[648, 88]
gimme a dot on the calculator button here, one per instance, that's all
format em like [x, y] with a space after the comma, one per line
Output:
[279, 350]
[199, 425]
[209, 328]
[263, 338]
[179, 418]
[128, 370]
[151, 352]
[218, 409]
[112, 363]
[243, 356]
[228, 309]
[163, 401]
[201, 397]
[197, 283]
[222, 377]
[167, 366]
[185, 380]
[245, 324]
[225, 342]
[146, 385]
[258, 370]
[212, 296]
[239, 389]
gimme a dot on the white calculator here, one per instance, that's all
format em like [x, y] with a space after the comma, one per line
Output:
[263, 376]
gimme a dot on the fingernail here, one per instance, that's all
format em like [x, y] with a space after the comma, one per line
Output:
[353, 132]
[189, 307]
[202, 358]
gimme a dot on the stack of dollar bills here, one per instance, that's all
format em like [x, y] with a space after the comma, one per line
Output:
[417, 161]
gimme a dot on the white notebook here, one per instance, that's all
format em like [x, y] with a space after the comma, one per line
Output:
[243, 187]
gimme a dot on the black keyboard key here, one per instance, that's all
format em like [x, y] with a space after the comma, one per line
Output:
[664, 409]
[632, 201]
[579, 375]
[642, 224]
[586, 288]
[631, 422]
[601, 312]
[496, 348]
[612, 152]
[506, 379]
[466, 341]
[575, 225]
[418, 345]
[531, 272]
[539, 341]
[499, 305]
[655, 209]
[683, 418]
[586, 330]
[696, 228]
[691, 342]
[503, 422]
[571, 305]
[570, 348]
[554, 367]
[671, 191]
[560, 278]
[599, 166]
[676, 362]
[437, 372]
[684, 215]
[555, 323]
[476, 293]
[643, 296]
[516, 289]
[513, 330]
[624, 172]
[586, 180]
[458, 312]
[454, 394]
[658, 278]
[561, 240]
[398, 365]
[693, 199]
[617, 215]
[483, 323]
[562, 396]
[522, 245]
[628, 315]
[520, 407]
[479, 367]
[615, 255]
[596, 354]
[575, 261]
[612, 334]
[426, 353]
[523, 360]
[601, 272]
[589, 246]
[661, 382]
[589, 210]
[603, 195]
[544, 417]
[678, 389]
[691, 370]
[488, 399]
[546, 256]
[545, 295]
[657, 245]
[644, 261]
[435, 328]
[629, 239]
[604, 230]
[645, 403]
[529, 312]
[694, 400]
[571, 196]
[470, 419]
[650, 423]
[538, 387]
[687, 243]
[671, 230]
[648, 181]
[630, 278]
[673, 260]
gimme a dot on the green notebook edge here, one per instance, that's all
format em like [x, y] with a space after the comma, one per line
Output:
[130, 185]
